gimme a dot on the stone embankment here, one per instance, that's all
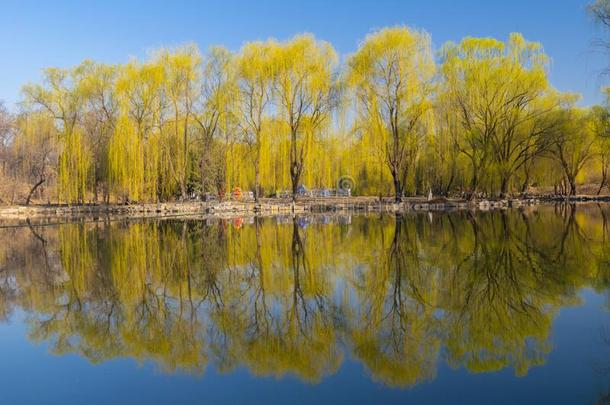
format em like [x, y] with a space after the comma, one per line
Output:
[269, 207]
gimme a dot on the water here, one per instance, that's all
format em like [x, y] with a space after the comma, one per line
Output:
[458, 308]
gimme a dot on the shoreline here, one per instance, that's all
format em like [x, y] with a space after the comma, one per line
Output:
[279, 207]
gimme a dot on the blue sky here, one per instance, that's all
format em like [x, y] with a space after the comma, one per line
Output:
[38, 34]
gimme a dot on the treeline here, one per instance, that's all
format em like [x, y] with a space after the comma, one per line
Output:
[397, 117]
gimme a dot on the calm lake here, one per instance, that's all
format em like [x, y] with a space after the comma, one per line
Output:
[501, 307]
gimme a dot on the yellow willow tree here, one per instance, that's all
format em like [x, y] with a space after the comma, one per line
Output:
[99, 120]
[213, 117]
[35, 150]
[126, 161]
[575, 145]
[182, 71]
[443, 163]
[254, 78]
[62, 96]
[391, 75]
[74, 166]
[600, 118]
[502, 97]
[304, 94]
[136, 139]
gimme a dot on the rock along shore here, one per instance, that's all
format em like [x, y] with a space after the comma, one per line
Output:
[270, 207]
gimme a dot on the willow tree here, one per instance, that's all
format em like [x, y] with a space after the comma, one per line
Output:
[35, 150]
[254, 78]
[140, 101]
[99, 119]
[126, 161]
[62, 96]
[391, 74]
[574, 147]
[503, 100]
[304, 94]
[182, 71]
[600, 119]
[212, 117]
[443, 164]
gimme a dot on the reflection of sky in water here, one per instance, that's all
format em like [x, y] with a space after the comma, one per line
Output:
[574, 370]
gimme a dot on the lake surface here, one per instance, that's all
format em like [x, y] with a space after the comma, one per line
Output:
[503, 307]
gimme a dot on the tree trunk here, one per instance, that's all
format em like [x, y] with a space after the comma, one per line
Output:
[38, 184]
[256, 182]
[397, 186]
[295, 186]
[202, 176]
[183, 195]
[450, 182]
[294, 178]
[106, 191]
[474, 182]
[603, 182]
[257, 168]
[526, 183]
[504, 186]
[95, 186]
[572, 182]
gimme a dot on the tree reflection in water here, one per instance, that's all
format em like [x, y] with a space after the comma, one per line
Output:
[294, 296]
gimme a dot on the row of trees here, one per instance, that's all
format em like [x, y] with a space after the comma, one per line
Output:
[479, 116]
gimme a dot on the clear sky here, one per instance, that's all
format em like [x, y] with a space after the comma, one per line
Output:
[38, 34]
